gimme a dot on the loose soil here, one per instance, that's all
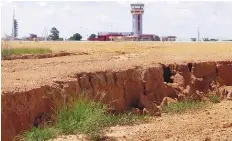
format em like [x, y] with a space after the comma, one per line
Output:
[23, 75]
[211, 124]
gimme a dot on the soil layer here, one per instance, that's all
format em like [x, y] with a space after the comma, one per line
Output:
[130, 73]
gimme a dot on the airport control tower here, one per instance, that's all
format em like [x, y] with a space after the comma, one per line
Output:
[137, 19]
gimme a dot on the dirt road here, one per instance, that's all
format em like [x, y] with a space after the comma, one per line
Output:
[210, 124]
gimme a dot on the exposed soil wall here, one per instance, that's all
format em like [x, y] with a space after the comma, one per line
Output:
[123, 90]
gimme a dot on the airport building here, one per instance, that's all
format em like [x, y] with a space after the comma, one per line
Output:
[137, 11]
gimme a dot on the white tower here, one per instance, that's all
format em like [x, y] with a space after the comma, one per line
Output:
[137, 19]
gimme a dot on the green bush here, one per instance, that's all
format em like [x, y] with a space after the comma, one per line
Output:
[39, 134]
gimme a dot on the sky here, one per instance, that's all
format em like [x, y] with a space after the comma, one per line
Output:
[162, 18]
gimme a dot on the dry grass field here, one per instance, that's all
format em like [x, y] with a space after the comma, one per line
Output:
[100, 56]
[128, 47]
[180, 51]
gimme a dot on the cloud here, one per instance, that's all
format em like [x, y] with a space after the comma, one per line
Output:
[123, 3]
[41, 4]
[8, 3]
[104, 18]
[67, 7]
[186, 13]
[162, 18]
[49, 12]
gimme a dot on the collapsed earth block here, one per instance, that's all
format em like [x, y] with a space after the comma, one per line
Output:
[141, 88]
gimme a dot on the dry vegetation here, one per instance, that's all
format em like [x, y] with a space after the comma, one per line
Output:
[127, 47]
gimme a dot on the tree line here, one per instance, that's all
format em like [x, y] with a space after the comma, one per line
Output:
[54, 35]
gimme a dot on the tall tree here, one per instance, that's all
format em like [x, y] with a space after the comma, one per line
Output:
[157, 38]
[54, 34]
[194, 39]
[92, 36]
[76, 37]
[205, 39]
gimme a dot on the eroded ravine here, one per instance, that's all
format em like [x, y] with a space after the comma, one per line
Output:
[129, 88]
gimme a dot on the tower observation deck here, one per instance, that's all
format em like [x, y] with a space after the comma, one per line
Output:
[137, 12]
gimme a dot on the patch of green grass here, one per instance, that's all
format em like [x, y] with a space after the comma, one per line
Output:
[127, 118]
[19, 51]
[182, 106]
[84, 116]
[40, 134]
[214, 99]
